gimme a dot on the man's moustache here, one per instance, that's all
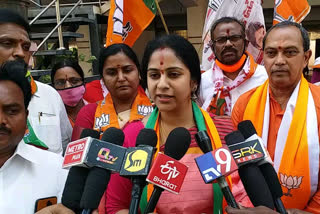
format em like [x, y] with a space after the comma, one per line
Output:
[228, 50]
[5, 129]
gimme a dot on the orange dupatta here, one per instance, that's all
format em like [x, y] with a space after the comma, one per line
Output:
[106, 115]
[293, 172]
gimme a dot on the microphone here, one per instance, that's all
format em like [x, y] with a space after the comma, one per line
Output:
[249, 132]
[250, 175]
[167, 173]
[136, 164]
[215, 165]
[76, 179]
[98, 178]
[203, 141]
[89, 152]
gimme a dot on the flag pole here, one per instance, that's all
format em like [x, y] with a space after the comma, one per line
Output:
[161, 16]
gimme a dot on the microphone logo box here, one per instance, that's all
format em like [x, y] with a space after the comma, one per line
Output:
[167, 173]
[137, 161]
[105, 155]
[76, 152]
[215, 164]
[247, 151]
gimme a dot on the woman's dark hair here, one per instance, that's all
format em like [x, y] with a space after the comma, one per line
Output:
[250, 32]
[66, 63]
[183, 50]
[113, 50]
[16, 71]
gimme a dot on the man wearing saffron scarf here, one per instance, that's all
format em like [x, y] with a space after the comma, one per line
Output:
[234, 71]
[285, 111]
[48, 125]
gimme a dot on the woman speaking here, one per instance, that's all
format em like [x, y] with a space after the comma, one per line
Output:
[171, 68]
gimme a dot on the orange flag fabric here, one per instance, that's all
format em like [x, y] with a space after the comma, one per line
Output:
[292, 10]
[128, 19]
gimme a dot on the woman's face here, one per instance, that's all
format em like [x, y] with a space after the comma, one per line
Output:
[66, 77]
[169, 81]
[121, 76]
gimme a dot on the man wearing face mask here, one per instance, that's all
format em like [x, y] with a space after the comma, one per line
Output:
[68, 79]
[234, 70]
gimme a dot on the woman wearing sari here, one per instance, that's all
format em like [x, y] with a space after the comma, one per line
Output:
[171, 69]
[126, 101]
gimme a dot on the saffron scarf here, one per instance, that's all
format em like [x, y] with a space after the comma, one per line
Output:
[106, 115]
[296, 157]
[203, 122]
[221, 101]
[33, 84]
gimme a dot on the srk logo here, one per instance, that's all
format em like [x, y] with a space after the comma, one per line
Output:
[136, 161]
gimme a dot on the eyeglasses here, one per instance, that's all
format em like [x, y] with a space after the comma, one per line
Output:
[233, 39]
[74, 81]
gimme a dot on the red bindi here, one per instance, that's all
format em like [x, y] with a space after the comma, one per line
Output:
[161, 56]
[228, 32]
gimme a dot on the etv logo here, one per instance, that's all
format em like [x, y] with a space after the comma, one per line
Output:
[136, 161]
[104, 156]
[171, 171]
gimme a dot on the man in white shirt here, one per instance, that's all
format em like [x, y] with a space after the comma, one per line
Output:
[28, 175]
[47, 120]
[233, 72]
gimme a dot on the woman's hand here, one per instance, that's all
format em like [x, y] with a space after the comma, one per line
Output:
[55, 209]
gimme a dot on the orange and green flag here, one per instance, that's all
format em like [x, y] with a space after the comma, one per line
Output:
[128, 19]
[292, 10]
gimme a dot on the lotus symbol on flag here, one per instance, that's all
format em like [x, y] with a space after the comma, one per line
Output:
[290, 182]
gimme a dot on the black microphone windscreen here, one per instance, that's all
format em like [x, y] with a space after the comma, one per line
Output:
[256, 186]
[113, 135]
[96, 184]
[272, 180]
[147, 137]
[74, 187]
[89, 133]
[177, 143]
[233, 138]
[246, 128]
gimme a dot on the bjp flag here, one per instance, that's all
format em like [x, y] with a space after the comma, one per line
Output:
[292, 10]
[128, 19]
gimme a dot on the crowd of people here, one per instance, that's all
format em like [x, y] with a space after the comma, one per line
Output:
[167, 91]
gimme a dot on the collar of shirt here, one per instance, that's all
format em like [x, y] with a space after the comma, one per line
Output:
[24, 151]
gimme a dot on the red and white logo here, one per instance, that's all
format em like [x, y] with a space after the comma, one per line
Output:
[75, 152]
[167, 173]
[169, 169]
